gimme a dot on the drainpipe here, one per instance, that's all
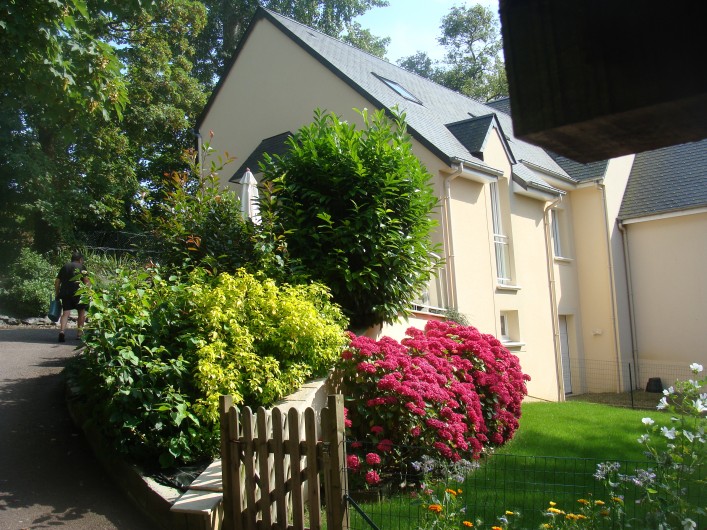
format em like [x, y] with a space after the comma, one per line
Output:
[553, 300]
[631, 306]
[448, 238]
[617, 344]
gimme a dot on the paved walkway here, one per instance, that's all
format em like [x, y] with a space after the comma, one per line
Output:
[48, 476]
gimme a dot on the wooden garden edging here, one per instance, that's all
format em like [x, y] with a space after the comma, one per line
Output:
[273, 466]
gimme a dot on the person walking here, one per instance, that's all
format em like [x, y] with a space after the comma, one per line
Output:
[66, 285]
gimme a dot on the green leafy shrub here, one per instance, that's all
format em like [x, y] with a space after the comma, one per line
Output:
[352, 207]
[29, 285]
[103, 265]
[161, 349]
[194, 223]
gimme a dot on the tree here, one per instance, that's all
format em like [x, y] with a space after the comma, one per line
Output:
[98, 100]
[364, 40]
[473, 64]
[71, 162]
[353, 209]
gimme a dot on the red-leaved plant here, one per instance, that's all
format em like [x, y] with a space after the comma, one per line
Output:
[448, 391]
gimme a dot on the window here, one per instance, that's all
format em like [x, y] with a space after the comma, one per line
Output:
[500, 240]
[509, 329]
[505, 328]
[556, 239]
[400, 89]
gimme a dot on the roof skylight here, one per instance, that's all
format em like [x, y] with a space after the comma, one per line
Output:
[400, 89]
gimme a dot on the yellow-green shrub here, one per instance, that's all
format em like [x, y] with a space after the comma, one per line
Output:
[260, 340]
[161, 349]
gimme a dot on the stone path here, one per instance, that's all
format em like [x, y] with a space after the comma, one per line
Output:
[48, 476]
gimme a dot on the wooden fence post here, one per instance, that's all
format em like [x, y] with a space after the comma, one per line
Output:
[227, 463]
[334, 456]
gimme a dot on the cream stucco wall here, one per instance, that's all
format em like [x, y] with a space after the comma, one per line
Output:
[667, 261]
[275, 87]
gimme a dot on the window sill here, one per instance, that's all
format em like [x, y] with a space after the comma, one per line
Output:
[560, 259]
[513, 345]
[505, 287]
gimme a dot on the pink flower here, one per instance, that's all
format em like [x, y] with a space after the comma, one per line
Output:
[372, 478]
[448, 384]
[353, 463]
[366, 368]
[385, 445]
[356, 445]
[373, 459]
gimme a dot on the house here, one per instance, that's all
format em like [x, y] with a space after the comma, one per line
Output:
[532, 242]
[663, 219]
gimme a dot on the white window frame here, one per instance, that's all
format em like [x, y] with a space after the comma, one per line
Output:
[555, 222]
[501, 241]
[505, 330]
[509, 329]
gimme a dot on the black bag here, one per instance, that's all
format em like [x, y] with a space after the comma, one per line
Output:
[54, 310]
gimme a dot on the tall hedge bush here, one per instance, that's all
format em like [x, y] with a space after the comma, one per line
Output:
[353, 209]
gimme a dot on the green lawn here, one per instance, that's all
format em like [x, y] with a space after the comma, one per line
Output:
[553, 457]
[580, 430]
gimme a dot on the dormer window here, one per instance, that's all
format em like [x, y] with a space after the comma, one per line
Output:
[400, 89]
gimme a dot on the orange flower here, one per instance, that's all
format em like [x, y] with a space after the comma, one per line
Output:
[451, 492]
[435, 508]
[468, 523]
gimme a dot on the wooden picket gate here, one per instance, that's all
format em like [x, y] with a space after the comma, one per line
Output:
[274, 465]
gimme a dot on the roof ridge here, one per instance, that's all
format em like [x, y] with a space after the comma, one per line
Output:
[339, 41]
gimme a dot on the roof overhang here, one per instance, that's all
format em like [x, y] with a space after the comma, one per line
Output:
[584, 81]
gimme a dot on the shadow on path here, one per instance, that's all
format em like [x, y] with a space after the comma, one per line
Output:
[48, 474]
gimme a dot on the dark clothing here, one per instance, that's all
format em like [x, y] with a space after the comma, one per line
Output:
[72, 302]
[70, 278]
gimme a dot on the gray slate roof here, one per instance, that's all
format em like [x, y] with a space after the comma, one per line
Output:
[427, 121]
[275, 145]
[502, 104]
[667, 180]
[579, 171]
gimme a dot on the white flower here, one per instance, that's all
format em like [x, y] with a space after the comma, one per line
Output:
[669, 391]
[668, 433]
[643, 439]
[700, 405]
[688, 524]
[690, 436]
[647, 421]
[696, 368]
[662, 404]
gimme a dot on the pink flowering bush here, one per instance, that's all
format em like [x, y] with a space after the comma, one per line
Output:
[448, 389]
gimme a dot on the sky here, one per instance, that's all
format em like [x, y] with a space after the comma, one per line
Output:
[413, 25]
